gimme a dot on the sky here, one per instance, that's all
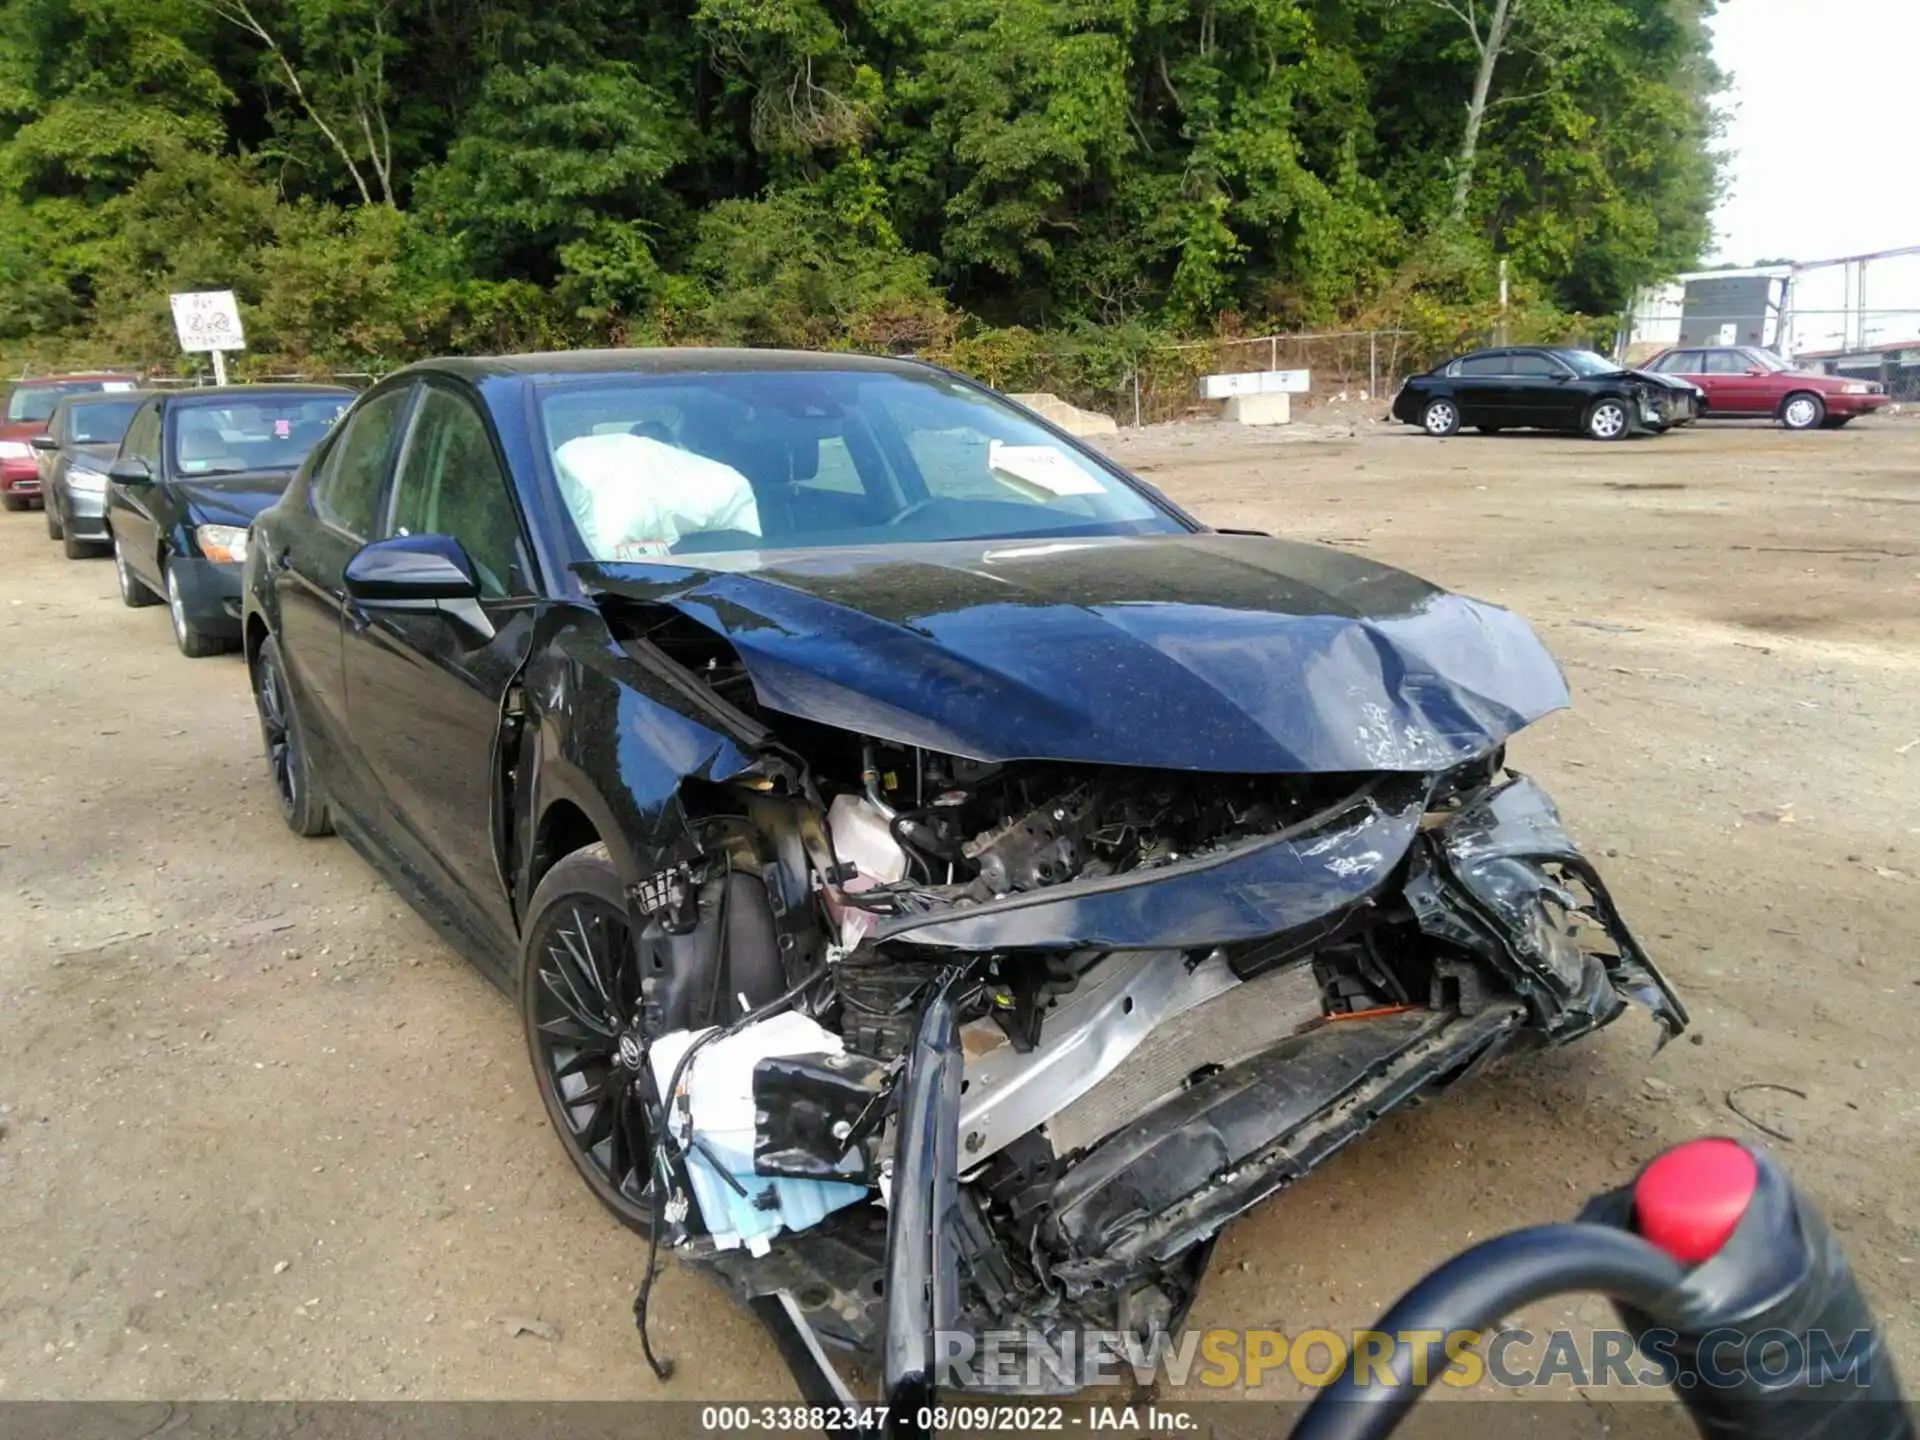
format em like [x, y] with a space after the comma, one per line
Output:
[1824, 129]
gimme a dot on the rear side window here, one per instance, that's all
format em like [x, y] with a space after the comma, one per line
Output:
[1484, 365]
[346, 493]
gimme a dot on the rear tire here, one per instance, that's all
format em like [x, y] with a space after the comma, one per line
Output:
[133, 593]
[1803, 410]
[54, 532]
[78, 549]
[1607, 420]
[194, 643]
[1440, 419]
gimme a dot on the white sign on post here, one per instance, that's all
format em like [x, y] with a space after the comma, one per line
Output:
[208, 322]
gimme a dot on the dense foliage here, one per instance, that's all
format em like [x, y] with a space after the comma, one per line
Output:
[378, 178]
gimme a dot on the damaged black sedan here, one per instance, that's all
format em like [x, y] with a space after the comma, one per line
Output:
[943, 882]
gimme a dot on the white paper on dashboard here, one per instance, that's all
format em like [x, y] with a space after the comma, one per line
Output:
[1039, 471]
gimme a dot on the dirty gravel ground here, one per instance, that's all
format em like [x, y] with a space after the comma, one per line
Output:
[266, 1137]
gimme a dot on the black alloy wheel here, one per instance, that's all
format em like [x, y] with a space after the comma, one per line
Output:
[580, 1003]
[303, 810]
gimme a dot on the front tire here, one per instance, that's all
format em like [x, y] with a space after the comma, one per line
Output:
[580, 1004]
[133, 593]
[1803, 410]
[1440, 419]
[194, 643]
[54, 529]
[301, 804]
[75, 549]
[1607, 420]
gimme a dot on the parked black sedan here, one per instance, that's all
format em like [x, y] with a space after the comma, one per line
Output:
[194, 468]
[82, 437]
[1535, 387]
[956, 775]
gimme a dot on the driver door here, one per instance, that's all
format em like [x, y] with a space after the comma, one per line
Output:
[425, 688]
[130, 515]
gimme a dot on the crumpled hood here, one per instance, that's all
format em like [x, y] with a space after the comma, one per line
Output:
[1196, 652]
[1664, 381]
[232, 499]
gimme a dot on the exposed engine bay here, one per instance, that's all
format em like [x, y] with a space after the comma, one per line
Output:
[1133, 1002]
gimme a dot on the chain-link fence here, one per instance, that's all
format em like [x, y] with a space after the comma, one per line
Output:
[1147, 383]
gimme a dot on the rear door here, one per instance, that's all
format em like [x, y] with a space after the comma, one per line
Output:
[310, 554]
[425, 688]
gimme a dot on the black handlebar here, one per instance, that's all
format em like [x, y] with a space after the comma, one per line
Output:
[1751, 1294]
[1473, 1291]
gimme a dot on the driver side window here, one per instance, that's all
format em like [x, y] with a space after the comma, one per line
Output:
[143, 436]
[451, 483]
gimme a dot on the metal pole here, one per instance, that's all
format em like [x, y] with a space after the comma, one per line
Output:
[1373, 365]
[1503, 300]
[1273, 352]
[1136, 399]
[219, 367]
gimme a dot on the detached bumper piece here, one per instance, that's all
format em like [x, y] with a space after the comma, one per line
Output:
[1115, 1236]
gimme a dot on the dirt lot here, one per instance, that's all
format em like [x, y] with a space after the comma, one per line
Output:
[266, 1137]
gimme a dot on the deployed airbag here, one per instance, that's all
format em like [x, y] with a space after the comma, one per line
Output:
[634, 498]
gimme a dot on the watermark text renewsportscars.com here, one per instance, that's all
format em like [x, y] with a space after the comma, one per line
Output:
[1516, 1358]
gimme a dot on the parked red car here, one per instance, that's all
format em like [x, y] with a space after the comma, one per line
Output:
[1742, 381]
[28, 409]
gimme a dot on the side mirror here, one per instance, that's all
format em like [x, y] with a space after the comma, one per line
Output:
[419, 568]
[44, 442]
[130, 470]
[419, 573]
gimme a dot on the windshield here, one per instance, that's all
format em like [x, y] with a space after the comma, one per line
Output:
[678, 464]
[35, 402]
[266, 432]
[1587, 362]
[1766, 360]
[99, 422]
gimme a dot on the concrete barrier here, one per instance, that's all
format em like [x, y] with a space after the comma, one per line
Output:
[1273, 409]
[1069, 418]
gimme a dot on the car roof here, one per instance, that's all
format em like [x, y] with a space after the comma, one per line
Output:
[82, 378]
[571, 364]
[247, 392]
[100, 397]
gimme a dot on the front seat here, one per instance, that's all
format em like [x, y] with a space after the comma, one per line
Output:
[201, 449]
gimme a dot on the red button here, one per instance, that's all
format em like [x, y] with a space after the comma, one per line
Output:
[1689, 1200]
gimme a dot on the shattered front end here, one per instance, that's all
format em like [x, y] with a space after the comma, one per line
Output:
[1046, 1103]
